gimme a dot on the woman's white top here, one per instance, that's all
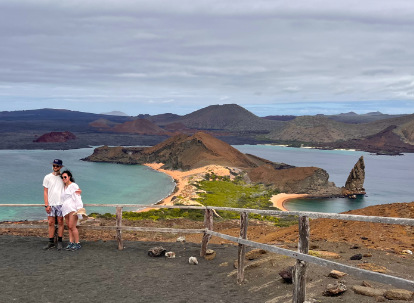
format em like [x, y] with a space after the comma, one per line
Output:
[71, 200]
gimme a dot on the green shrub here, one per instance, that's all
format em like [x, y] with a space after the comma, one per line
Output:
[164, 214]
[100, 216]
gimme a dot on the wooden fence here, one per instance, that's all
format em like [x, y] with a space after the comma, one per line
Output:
[301, 256]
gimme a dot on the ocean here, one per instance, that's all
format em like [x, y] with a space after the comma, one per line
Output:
[388, 179]
[22, 173]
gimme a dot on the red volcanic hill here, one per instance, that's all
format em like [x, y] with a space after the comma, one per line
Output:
[179, 152]
[201, 149]
[56, 137]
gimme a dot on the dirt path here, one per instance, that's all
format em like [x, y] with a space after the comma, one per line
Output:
[101, 273]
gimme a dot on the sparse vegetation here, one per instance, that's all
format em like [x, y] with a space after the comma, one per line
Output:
[217, 191]
[220, 191]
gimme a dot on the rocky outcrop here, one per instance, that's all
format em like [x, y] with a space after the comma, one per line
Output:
[56, 137]
[299, 180]
[354, 185]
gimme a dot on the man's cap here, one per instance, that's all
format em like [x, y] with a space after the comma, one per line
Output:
[58, 162]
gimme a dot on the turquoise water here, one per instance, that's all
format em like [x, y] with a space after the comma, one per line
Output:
[388, 179]
[22, 173]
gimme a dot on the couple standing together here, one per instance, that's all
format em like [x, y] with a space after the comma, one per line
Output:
[62, 199]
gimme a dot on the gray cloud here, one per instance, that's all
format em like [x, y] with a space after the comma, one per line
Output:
[124, 55]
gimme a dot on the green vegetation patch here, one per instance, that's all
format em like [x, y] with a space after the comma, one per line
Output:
[157, 214]
[225, 193]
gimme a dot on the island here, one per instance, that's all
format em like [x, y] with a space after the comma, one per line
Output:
[192, 156]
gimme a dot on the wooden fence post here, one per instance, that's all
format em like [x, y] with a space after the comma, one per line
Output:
[208, 223]
[242, 248]
[118, 230]
[299, 290]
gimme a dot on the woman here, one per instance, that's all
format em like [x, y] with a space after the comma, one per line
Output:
[71, 203]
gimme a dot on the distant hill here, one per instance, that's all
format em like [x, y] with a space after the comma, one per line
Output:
[280, 118]
[354, 118]
[382, 143]
[321, 131]
[139, 126]
[51, 120]
[164, 119]
[103, 124]
[317, 129]
[116, 113]
[406, 131]
[229, 122]
[231, 117]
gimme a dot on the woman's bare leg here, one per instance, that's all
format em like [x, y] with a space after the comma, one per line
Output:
[73, 220]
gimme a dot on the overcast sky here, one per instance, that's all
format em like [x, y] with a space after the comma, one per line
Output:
[271, 57]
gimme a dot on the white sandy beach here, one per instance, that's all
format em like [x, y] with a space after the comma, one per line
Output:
[280, 199]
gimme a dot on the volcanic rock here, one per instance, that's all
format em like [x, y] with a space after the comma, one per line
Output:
[356, 257]
[299, 180]
[398, 294]
[157, 251]
[287, 274]
[335, 289]
[368, 291]
[336, 274]
[355, 183]
[56, 137]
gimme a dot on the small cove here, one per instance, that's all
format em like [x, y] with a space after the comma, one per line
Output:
[22, 172]
[388, 179]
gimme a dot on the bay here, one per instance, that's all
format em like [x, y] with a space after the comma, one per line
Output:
[388, 179]
[22, 173]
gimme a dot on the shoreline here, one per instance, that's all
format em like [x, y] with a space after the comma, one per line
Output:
[279, 200]
[182, 182]
[185, 190]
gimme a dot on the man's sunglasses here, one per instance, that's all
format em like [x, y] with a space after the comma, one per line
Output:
[56, 166]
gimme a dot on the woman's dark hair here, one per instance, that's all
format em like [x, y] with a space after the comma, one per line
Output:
[69, 175]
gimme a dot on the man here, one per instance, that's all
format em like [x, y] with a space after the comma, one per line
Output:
[52, 190]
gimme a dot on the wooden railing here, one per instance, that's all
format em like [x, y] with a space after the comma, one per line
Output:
[302, 257]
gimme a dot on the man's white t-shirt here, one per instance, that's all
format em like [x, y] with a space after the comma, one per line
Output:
[54, 185]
